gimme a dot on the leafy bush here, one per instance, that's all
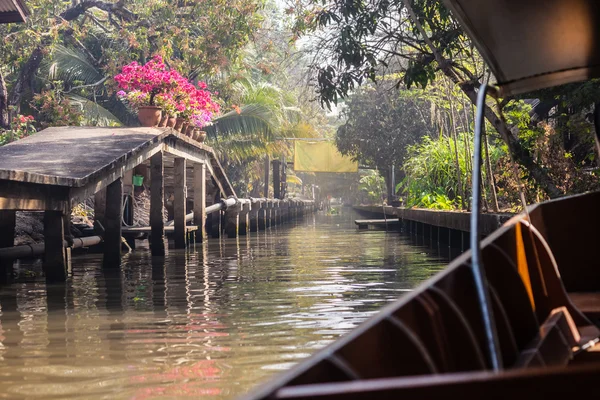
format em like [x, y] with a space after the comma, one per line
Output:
[431, 178]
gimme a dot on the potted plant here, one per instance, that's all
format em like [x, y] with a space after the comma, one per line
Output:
[141, 84]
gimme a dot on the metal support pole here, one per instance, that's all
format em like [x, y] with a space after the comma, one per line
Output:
[476, 264]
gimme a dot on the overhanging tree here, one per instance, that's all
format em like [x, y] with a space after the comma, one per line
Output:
[360, 41]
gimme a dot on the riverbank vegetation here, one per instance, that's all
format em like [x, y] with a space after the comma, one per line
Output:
[406, 77]
[58, 69]
[392, 82]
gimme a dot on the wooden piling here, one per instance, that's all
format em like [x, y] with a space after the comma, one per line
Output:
[244, 219]
[114, 218]
[262, 216]
[232, 217]
[179, 211]
[8, 222]
[54, 265]
[200, 201]
[157, 201]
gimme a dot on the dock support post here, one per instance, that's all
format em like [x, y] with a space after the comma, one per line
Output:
[114, 218]
[55, 266]
[262, 216]
[244, 219]
[200, 201]
[179, 203]
[157, 203]
[216, 226]
[254, 216]
[8, 222]
[275, 213]
[232, 217]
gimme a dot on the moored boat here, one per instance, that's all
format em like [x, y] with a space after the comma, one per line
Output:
[531, 329]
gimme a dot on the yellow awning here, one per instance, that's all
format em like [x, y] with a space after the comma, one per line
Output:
[321, 157]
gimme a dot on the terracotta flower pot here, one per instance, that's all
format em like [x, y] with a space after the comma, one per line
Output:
[178, 124]
[149, 115]
[184, 127]
[171, 121]
[201, 136]
[189, 131]
[163, 120]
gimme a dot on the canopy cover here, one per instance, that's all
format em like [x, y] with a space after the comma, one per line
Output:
[534, 44]
[321, 156]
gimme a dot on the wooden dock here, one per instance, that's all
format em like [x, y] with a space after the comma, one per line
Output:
[390, 223]
[58, 168]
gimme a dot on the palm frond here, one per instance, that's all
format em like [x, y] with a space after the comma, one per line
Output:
[71, 65]
[94, 114]
[253, 121]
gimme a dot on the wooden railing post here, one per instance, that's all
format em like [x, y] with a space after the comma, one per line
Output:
[54, 265]
[157, 203]
[179, 211]
[114, 218]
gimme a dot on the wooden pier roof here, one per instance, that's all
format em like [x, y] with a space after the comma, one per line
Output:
[82, 160]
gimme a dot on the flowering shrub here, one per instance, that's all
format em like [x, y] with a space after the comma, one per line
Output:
[154, 84]
[55, 110]
[20, 127]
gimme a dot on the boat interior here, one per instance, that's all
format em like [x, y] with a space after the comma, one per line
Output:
[543, 282]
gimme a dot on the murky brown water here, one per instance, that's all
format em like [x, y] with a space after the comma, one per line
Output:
[210, 323]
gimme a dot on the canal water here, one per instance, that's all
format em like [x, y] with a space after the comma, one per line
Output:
[209, 323]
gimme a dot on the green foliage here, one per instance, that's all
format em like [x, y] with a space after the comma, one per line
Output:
[371, 187]
[380, 123]
[20, 127]
[431, 178]
[55, 110]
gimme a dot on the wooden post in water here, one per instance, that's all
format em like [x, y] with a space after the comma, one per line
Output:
[254, 216]
[114, 218]
[55, 266]
[179, 203]
[8, 222]
[244, 219]
[261, 222]
[157, 203]
[200, 200]
[232, 217]
[276, 179]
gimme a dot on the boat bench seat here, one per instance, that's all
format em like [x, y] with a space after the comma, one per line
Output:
[588, 303]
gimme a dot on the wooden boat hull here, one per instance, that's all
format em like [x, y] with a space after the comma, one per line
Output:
[432, 341]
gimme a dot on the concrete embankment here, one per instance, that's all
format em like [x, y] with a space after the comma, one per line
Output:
[450, 227]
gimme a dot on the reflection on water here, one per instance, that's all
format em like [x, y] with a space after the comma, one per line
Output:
[208, 323]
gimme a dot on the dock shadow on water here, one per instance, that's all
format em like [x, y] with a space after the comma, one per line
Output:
[211, 322]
